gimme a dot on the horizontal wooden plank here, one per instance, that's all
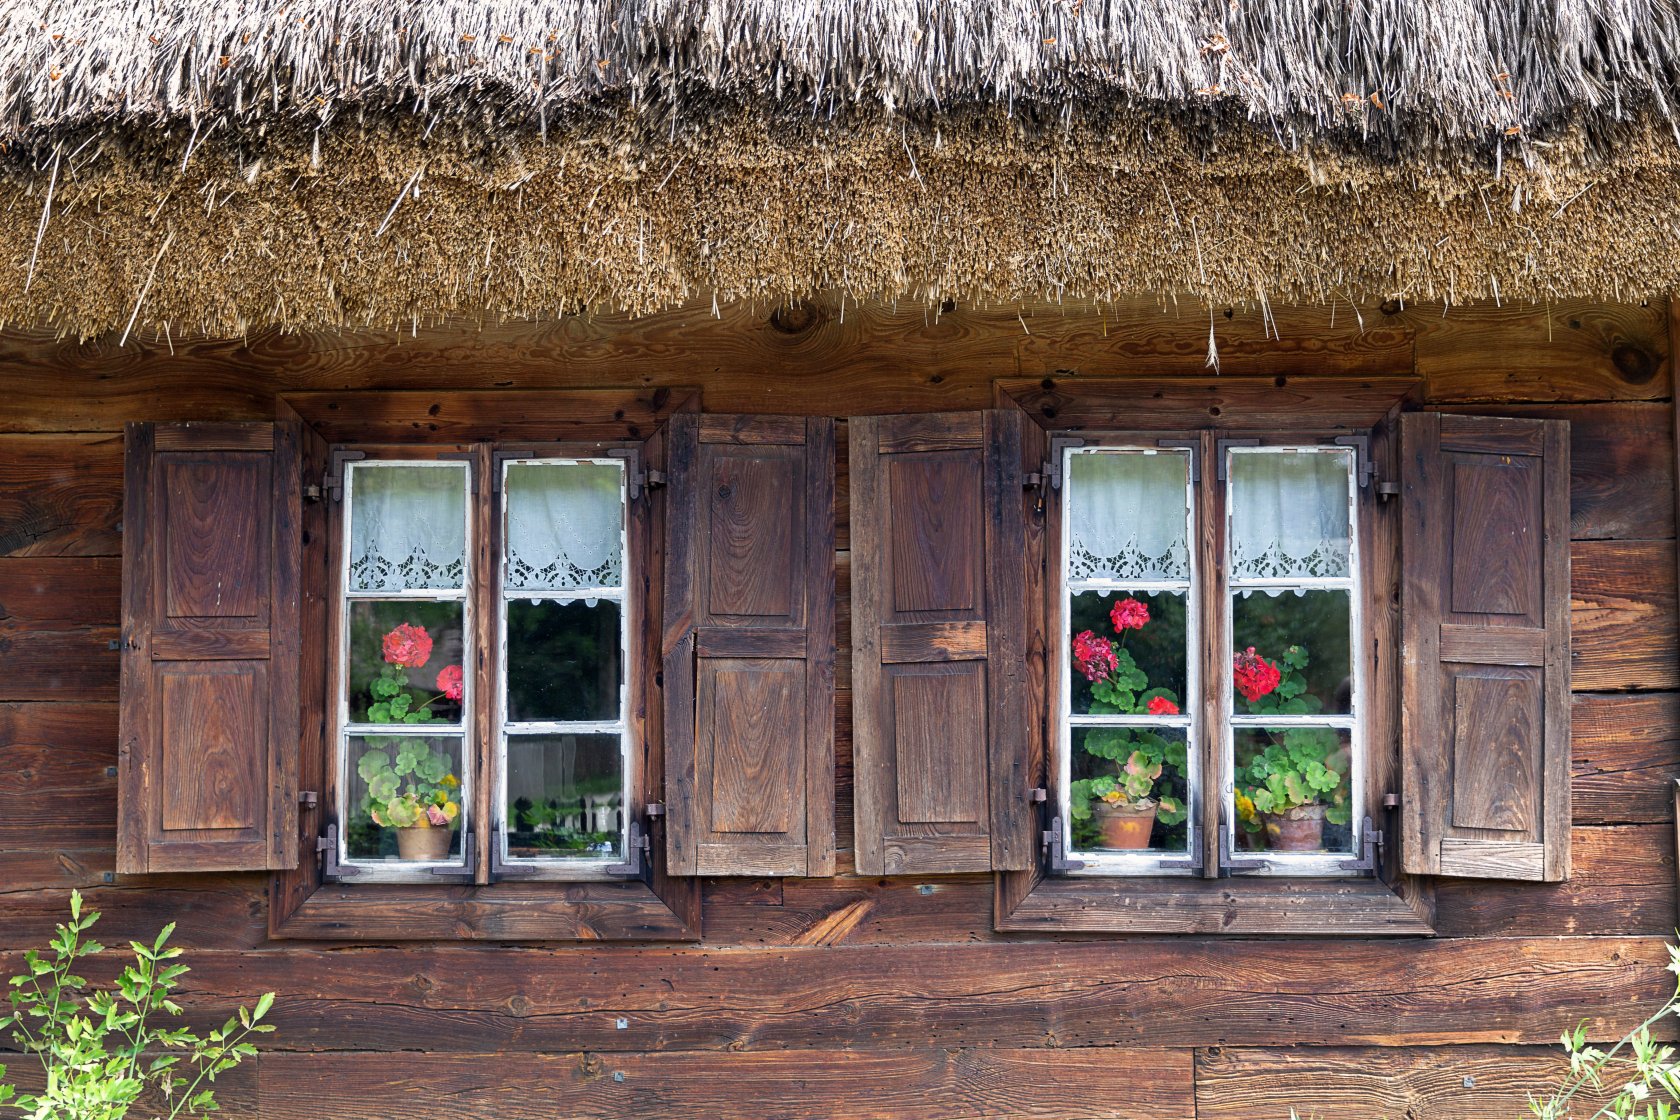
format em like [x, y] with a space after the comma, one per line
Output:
[60, 495]
[1493, 859]
[58, 784]
[209, 911]
[1442, 1083]
[748, 429]
[1169, 992]
[1234, 403]
[1621, 466]
[199, 436]
[851, 911]
[723, 641]
[933, 641]
[209, 645]
[583, 911]
[823, 1085]
[58, 665]
[1493, 645]
[1623, 630]
[1626, 751]
[467, 414]
[1622, 881]
[60, 592]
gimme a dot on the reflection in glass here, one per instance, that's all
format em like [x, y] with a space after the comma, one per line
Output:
[565, 526]
[406, 800]
[565, 796]
[1126, 516]
[1130, 788]
[1289, 514]
[1301, 662]
[1126, 650]
[1293, 789]
[563, 660]
[408, 527]
[405, 661]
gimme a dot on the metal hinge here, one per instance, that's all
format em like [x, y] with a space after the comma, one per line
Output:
[311, 493]
[636, 478]
[333, 482]
[1197, 859]
[308, 798]
[1230, 864]
[1224, 445]
[1049, 474]
[1052, 840]
[1387, 490]
[1362, 456]
[331, 870]
[1370, 858]
[466, 872]
[1191, 445]
[499, 868]
[638, 856]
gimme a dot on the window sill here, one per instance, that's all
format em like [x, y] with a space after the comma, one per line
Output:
[575, 911]
[1027, 903]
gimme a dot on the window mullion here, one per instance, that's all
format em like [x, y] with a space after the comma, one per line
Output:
[486, 634]
[1213, 642]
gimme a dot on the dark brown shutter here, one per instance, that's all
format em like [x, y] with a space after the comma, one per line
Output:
[749, 645]
[1485, 611]
[940, 739]
[208, 761]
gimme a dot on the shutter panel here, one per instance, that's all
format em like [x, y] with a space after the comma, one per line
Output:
[749, 645]
[938, 638]
[1485, 612]
[208, 763]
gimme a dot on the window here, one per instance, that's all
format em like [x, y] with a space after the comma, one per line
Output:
[1159, 723]
[557, 763]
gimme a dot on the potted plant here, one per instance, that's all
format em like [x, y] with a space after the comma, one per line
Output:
[410, 786]
[1125, 804]
[1299, 779]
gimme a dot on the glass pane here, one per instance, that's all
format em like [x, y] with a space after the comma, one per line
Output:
[564, 526]
[1129, 790]
[405, 662]
[1126, 516]
[1293, 789]
[405, 800]
[563, 660]
[1127, 652]
[407, 526]
[1301, 663]
[1289, 514]
[565, 796]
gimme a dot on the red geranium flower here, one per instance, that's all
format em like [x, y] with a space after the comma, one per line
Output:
[1161, 706]
[1129, 614]
[449, 682]
[1094, 656]
[1254, 675]
[408, 646]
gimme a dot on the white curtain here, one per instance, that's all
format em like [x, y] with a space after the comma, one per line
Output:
[1126, 515]
[1289, 514]
[564, 526]
[408, 526]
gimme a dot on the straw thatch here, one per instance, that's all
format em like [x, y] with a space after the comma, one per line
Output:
[221, 167]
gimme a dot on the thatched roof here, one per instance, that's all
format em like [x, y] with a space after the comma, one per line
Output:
[220, 166]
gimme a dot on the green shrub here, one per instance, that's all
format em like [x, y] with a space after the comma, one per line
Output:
[101, 1050]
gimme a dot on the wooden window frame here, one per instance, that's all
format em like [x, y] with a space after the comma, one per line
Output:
[1298, 410]
[656, 907]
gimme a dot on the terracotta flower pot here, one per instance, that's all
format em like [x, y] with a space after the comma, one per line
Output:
[1299, 829]
[424, 843]
[1123, 826]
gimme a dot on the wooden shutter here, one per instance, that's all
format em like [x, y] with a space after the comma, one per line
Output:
[208, 761]
[749, 645]
[1485, 614]
[940, 739]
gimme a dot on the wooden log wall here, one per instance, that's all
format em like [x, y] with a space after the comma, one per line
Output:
[852, 996]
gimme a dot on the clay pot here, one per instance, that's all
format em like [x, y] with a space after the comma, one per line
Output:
[1123, 826]
[1300, 829]
[424, 843]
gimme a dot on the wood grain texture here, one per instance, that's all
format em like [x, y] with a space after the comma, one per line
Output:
[1182, 403]
[1623, 621]
[58, 785]
[544, 416]
[1168, 992]
[1445, 1083]
[60, 495]
[820, 1085]
[1626, 751]
[59, 593]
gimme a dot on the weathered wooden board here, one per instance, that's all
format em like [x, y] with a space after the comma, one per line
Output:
[1622, 882]
[59, 592]
[935, 909]
[1444, 1083]
[871, 358]
[1622, 618]
[60, 495]
[59, 665]
[209, 911]
[1167, 992]
[824, 1085]
[58, 784]
[1626, 751]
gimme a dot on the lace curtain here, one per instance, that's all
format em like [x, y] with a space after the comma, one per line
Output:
[564, 526]
[407, 527]
[1289, 514]
[1126, 515]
